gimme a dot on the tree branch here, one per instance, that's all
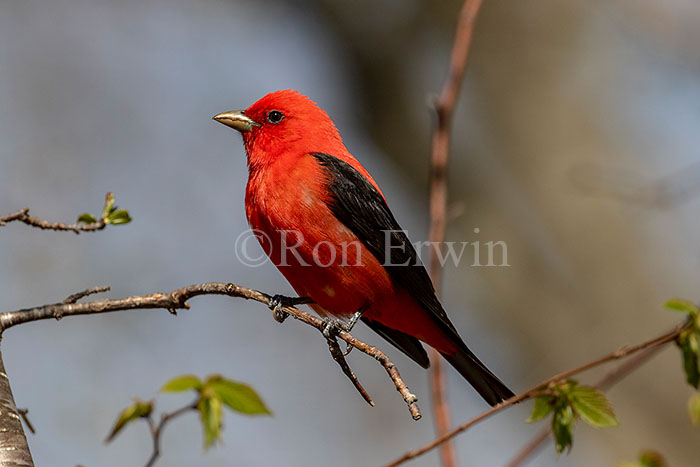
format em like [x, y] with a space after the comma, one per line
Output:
[14, 450]
[439, 157]
[24, 413]
[23, 216]
[339, 357]
[622, 352]
[77, 296]
[177, 299]
[156, 430]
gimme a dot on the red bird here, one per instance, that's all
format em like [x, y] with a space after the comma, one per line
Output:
[326, 226]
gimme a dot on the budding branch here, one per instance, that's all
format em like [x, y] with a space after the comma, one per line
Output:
[613, 376]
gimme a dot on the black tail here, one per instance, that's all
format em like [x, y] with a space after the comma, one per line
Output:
[486, 383]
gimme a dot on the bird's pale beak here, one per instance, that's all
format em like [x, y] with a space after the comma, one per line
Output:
[236, 119]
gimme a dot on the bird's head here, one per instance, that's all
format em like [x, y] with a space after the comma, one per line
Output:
[283, 124]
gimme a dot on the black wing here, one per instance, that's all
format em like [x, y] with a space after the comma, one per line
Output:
[361, 208]
[357, 204]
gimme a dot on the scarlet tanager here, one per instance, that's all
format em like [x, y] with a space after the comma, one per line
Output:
[325, 224]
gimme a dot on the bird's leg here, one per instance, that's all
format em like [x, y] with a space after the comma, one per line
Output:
[332, 326]
[277, 302]
[355, 318]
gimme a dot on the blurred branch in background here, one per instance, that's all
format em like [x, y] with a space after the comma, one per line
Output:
[439, 157]
[541, 388]
[157, 429]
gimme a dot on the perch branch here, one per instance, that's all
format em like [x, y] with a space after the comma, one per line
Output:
[177, 300]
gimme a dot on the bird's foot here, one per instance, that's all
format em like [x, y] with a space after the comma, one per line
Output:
[277, 302]
[332, 326]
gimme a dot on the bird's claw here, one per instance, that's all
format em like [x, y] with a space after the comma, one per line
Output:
[331, 329]
[348, 349]
[276, 304]
[280, 315]
[332, 326]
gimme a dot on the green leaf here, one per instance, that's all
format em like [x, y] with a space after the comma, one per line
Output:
[542, 407]
[694, 409]
[593, 407]
[182, 383]
[118, 217]
[238, 396]
[563, 428]
[109, 206]
[647, 458]
[86, 218]
[651, 459]
[211, 414]
[678, 304]
[689, 343]
[138, 409]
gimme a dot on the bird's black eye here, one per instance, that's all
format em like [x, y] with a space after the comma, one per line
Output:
[275, 116]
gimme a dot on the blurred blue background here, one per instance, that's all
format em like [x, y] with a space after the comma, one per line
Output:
[574, 141]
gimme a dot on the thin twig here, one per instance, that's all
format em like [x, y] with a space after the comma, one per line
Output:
[622, 352]
[177, 300]
[24, 413]
[77, 296]
[156, 430]
[439, 157]
[606, 382]
[23, 216]
[339, 357]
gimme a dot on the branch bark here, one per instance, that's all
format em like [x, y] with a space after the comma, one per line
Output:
[622, 352]
[444, 109]
[23, 216]
[14, 450]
